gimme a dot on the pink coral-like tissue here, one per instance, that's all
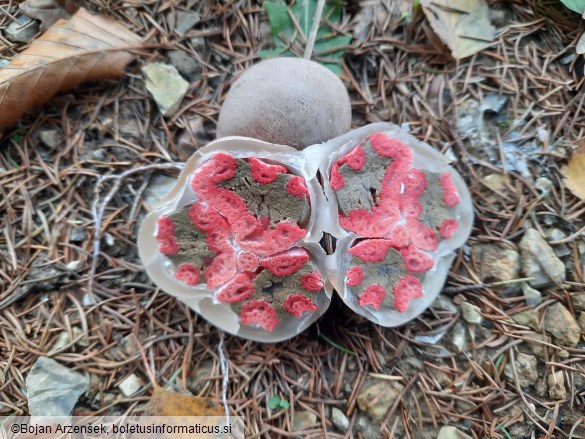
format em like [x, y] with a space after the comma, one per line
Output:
[238, 238]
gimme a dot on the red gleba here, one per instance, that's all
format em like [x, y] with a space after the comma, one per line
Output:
[246, 232]
[394, 220]
[244, 245]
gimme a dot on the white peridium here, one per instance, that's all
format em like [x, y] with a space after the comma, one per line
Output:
[324, 218]
[287, 101]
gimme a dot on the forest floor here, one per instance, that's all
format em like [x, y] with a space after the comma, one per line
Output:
[509, 116]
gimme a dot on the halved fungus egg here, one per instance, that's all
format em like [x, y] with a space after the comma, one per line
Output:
[238, 238]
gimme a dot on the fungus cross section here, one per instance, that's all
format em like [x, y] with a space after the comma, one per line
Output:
[239, 239]
[399, 214]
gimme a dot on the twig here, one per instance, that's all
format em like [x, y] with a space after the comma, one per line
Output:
[98, 210]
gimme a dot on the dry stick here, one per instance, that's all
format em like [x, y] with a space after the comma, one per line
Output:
[224, 366]
[314, 28]
[98, 212]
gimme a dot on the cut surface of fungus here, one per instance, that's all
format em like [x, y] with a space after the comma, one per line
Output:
[238, 237]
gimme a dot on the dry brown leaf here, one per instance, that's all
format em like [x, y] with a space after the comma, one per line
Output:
[84, 48]
[167, 403]
[463, 25]
[574, 172]
[48, 11]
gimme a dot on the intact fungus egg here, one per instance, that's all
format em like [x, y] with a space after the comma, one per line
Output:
[287, 101]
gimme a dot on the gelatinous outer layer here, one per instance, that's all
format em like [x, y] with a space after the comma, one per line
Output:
[242, 237]
[244, 243]
[396, 218]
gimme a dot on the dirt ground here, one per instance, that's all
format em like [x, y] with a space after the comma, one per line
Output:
[509, 117]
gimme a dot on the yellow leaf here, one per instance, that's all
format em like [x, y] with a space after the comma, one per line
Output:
[463, 25]
[574, 172]
[84, 48]
[167, 403]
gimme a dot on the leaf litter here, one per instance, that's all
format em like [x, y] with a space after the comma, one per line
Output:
[84, 48]
[401, 74]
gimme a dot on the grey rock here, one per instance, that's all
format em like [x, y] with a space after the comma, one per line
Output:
[528, 318]
[53, 389]
[450, 432]
[562, 325]
[531, 296]
[539, 260]
[581, 322]
[468, 121]
[368, 429]
[22, 30]
[444, 303]
[130, 385]
[578, 300]
[377, 398]
[198, 43]
[77, 235]
[494, 103]
[65, 338]
[498, 263]
[556, 385]
[166, 86]
[458, 336]
[185, 63]
[561, 250]
[525, 368]
[339, 419]
[534, 344]
[158, 187]
[471, 313]
[304, 420]
[50, 137]
[186, 21]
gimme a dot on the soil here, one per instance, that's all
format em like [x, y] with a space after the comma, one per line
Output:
[451, 372]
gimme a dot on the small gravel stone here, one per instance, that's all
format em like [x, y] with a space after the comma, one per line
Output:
[450, 432]
[77, 235]
[498, 263]
[50, 137]
[471, 313]
[539, 260]
[130, 385]
[377, 398]
[525, 368]
[166, 86]
[531, 296]
[159, 186]
[528, 318]
[22, 30]
[534, 344]
[562, 325]
[578, 300]
[186, 21]
[556, 385]
[459, 341]
[581, 322]
[368, 429]
[304, 420]
[339, 419]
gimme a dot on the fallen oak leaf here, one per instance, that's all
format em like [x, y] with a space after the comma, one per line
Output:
[84, 48]
[574, 172]
[48, 11]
